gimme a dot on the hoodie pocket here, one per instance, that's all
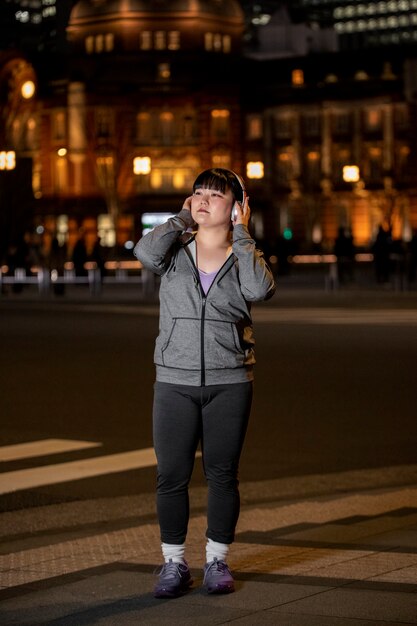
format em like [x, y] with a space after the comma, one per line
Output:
[222, 346]
[182, 348]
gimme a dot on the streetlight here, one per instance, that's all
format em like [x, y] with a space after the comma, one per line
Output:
[142, 165]
[28, 89]
[255, 169]
[351, 173]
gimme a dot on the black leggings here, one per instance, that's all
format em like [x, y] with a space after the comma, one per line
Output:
[183, 415]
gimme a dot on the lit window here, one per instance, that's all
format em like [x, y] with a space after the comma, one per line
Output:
[160, 40]
[361, 75]
[61, 174]
[174, 40]
[254, 127]
[22, 16]
[164, 71]
[285, 166]
[221, 159]
[31, 133]
[217, 42]
[99, 43]
[49, 11]
[142, 165]
[59, 125]
[109, 42]
[166, 120]
[156, 179]
[220, 123]
[392, 21]
[403, 20]
[373, 119]
[255, 169]
[89, 44]
[297, 78]
[361, 9]
[404, 5]
[227, 43]
[143, 126]
[338, 13]
[361, 24]
[178, 179]
[106, 230]
[351, 173]
[350, 10]
[7, 160]
[146, 40]
[208, 41]
[382, 23]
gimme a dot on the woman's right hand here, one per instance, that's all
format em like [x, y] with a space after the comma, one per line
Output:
[187, 204]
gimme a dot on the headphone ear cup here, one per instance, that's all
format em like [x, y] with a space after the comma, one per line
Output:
[241, 183]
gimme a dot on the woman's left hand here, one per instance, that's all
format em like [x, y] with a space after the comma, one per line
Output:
[243, 213]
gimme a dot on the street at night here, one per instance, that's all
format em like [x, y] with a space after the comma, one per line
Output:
[331, 445]
[334, 389]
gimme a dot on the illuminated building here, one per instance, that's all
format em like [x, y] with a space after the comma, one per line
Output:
[364, 24]
[156, 91]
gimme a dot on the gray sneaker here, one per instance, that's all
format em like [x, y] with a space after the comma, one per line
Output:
[174, 579]
[217, 577]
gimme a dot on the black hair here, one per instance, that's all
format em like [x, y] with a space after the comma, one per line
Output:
[221, 180]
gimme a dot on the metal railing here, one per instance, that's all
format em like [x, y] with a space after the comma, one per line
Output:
[46, 280]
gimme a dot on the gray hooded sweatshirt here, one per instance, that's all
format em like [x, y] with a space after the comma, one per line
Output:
[204, 339]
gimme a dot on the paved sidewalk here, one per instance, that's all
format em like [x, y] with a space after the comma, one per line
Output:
[325, 550]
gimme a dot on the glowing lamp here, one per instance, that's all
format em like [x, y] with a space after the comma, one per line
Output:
[141, 165]
[255, 169]
[351, 173]
[28, 89]
[7, 160]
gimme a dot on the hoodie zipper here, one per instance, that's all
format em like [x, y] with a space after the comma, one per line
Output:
[203, 314]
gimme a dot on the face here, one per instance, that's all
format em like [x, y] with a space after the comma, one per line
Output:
[210, 207]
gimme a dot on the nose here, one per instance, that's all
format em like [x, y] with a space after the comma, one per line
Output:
[204, 197]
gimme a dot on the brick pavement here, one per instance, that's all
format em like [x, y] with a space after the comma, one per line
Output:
[316, 550]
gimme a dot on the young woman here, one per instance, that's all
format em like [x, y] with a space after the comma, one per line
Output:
[204, 358]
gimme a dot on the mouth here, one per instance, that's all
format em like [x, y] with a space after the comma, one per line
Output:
[202, 211]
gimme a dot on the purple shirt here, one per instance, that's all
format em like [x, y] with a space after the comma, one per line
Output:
[206, 279]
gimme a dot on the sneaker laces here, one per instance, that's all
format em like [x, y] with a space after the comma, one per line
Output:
[216, 567]
[169, 570]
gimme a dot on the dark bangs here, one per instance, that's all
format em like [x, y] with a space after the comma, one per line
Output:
[221, 180]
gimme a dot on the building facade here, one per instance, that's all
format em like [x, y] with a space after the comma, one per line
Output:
[156, 91]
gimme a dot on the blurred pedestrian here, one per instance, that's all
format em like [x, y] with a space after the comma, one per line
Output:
[412, 258]
[344, 251]
[79, 255]
[204, 358]
[381, 252]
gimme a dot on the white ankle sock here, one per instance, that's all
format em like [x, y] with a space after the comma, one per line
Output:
[173, 552]
[216, 550]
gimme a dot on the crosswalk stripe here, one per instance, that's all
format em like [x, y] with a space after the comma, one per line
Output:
[43, 447]
[76, 470]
